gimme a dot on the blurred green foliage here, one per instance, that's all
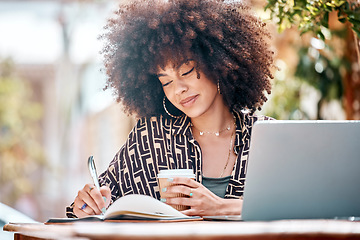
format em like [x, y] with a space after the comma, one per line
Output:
[21, 153]
[313, 16]
[321, 65]
[321, 73]
[285, 98]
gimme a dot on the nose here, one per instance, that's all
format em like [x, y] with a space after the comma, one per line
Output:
[180, 87]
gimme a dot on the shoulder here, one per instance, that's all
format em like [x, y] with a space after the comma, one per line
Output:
[155, 126]
[146, 132]
[248, 119]
[260, 118]
[178, 125]
[154, 121]
[147, 121]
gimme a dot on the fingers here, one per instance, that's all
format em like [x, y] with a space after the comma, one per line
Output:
[190, 199]
[175, 190]
[81, 209]
[185, 181]
[92, 197]
[99, 199]
[191, 194]
[186, 186]
[200, 199]
[184, 201]
[90, 200]
[106, 195]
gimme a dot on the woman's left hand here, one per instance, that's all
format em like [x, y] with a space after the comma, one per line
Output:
[202, 201]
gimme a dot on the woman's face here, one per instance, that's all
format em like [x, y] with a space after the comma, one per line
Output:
[191, 95]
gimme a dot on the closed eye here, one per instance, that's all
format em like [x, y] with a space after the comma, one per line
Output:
[184, 74]
[165, 84]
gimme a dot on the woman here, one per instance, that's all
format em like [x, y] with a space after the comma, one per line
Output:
[194, 72]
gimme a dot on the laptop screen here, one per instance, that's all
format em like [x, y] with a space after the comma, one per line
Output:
[303, 170]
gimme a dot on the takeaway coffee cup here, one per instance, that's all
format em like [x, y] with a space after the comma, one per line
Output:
[163, 177]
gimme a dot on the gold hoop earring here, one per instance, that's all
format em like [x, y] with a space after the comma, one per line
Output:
[218, 87]
[168, 113]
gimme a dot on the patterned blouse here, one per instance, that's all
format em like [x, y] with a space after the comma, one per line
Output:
[159, 143]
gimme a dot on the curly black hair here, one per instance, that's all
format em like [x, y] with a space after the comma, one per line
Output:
[227, 42]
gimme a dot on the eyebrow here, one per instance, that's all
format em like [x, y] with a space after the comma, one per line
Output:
[161, 75]
[177, 68]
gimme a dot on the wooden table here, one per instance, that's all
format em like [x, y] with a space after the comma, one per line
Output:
[286, 229]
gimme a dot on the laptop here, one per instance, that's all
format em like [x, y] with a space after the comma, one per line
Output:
[303, 170]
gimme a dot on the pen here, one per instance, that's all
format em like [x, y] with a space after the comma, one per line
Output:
[93, 173]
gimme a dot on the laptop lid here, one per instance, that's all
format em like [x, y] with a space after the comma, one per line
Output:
[303, 170]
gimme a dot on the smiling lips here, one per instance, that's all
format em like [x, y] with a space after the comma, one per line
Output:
[188, 101]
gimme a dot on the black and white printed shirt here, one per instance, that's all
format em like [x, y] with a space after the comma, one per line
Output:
[160, 143]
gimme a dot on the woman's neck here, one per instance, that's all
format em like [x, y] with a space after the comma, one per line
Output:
[213, 121]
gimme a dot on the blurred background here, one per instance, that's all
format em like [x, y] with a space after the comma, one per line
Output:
[54, 112]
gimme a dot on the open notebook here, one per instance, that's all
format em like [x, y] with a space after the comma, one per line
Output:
[303, 170]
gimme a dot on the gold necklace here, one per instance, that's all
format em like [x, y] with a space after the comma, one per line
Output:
[228, 158]
[216, 133]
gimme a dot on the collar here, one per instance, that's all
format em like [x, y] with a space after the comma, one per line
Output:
[182, 125]
[242, 130]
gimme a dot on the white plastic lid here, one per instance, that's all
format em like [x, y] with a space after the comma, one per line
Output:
[176, 173]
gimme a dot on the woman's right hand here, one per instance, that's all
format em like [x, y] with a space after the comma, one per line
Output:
[91, 201]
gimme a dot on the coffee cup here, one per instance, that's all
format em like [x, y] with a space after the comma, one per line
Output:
[163, 180]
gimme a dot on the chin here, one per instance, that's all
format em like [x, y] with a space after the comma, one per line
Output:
[193, 114]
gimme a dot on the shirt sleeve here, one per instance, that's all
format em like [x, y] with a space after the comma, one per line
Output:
[111, 177]
[133, 169]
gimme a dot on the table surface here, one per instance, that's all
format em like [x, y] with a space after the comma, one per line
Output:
[284, 229]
